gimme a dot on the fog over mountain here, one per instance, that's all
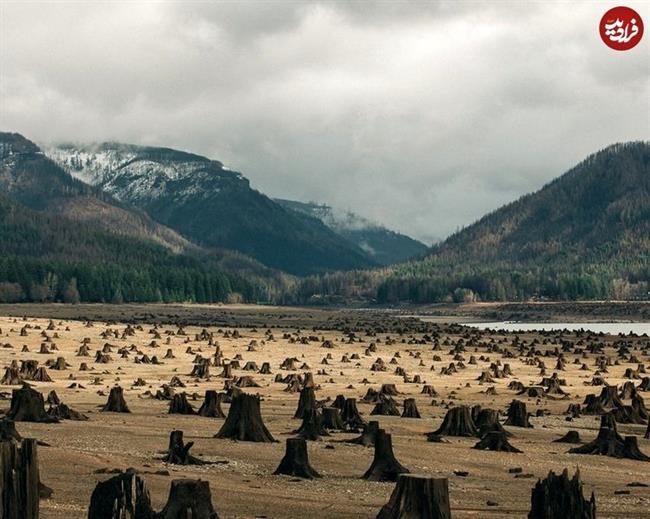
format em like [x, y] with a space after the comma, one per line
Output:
[422, 117]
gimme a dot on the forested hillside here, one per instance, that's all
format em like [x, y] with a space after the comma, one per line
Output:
[210, 205]
[62, 240]
[586, 235]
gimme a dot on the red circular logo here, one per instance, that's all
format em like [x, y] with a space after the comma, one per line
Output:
[621, 28]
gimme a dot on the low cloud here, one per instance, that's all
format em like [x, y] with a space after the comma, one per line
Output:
[422, 116]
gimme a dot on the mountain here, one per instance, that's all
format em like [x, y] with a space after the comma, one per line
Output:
[56, 232]
[210, 204]
[382, 245]
[584, 235]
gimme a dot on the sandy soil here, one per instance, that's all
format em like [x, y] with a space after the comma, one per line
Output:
[245, 486]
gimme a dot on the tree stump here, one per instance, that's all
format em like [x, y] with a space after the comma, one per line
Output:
[244, 421]
[495, 441]
[211, 406]
[386, 406]
[458, 422]
[332, 419]
[180, 405]
[569, 437]
[178, 452]
[296, 461]
[368, 435]
[351, 415]
[27, 405]
[8, 431]
[124, 496]
[188, 498]
[558, 497]
[418, 497]
[517, 414]
[116, 402]
[306, 402]
[312, 426]
[63, 412]
[19, 480]
[610, 443]
[385, 466]
[609, 397]
[410, 409]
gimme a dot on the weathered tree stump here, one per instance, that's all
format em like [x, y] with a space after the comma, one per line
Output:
[244, 421]
[410, 409]
[63, 412]
[122, 496]
[8, 431]
[368, 435]
[306, 402]
[517, 414]
[385, 466]
[569, 437]
[332, 419]
[312, 427]
[178, 452]
[495, 441]
[19, 480]
[417, 497]
[351, 415]
[27, 405]
[188, 498]
[116, 402]
[558, 497]
[386, 406]
[458, 422]
[296, 461]
[180, 405]
[211, 406]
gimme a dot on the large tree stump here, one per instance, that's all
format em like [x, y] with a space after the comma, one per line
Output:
[180, 405]
[410, 409]
[609, 397]
[385, 466]
[124, 496]
[312, 427]
[332, 419]
[458, 422]
[63, 412]
[306, 402]
[188, 498]
[386, 406]
[244, 421]
[28, 405]
[116, 402]
[495, 441]
[19, 480]
[558, 497]
[178, 452]
[418, 497]
[610, 443]
[351, 416]
[296, 460]
[211, 406]
[517, 414]
[368, 435]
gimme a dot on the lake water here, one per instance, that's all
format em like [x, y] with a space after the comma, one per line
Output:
[609, 328]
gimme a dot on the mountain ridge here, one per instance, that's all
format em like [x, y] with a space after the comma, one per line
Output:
[383, 245]
[210, 204]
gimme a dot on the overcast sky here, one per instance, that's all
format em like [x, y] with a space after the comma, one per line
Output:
[420, 116]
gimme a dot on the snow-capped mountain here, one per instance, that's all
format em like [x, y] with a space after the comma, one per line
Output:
[210, 204]
[383, 245]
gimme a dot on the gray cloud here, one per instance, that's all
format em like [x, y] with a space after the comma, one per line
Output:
[422, 116]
